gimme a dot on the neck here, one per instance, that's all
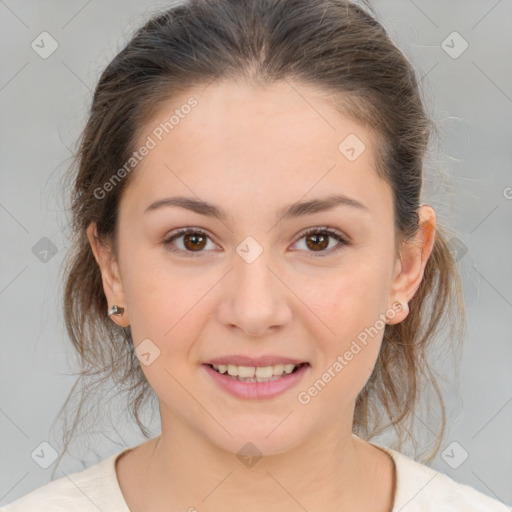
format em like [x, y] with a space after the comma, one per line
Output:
[185, 471]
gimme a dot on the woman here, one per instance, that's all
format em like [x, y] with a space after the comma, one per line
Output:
[250, 231]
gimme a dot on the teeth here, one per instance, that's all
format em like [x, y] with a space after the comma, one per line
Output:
[253, 373]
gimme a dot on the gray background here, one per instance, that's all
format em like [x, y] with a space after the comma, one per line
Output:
[43, 104]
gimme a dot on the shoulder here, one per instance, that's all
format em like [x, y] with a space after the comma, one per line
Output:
[95, 488]
[423, 489]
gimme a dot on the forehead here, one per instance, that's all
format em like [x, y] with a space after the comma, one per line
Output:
[254, 140]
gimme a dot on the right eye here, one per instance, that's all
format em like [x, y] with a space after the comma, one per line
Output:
[194, 240]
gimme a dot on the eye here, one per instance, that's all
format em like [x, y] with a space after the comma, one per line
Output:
[318, 239]
[195, 240]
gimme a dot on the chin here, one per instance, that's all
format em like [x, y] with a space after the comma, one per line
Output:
[257, 441]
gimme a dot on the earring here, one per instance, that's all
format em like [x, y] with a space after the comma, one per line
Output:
[116, 310]
[403, 305]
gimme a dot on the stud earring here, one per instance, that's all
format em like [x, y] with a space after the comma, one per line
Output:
[404, 306]
[116, 310]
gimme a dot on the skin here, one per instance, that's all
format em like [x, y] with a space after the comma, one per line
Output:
[251, 150]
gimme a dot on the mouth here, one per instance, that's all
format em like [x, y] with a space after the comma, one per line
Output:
[256, 373]
[256, 382]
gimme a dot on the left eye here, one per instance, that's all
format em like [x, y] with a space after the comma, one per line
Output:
[319, 238]
[195, 240]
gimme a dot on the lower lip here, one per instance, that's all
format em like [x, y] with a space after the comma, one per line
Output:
[256, 390]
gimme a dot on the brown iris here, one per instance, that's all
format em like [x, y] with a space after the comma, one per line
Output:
[322, 245]
[194, 241]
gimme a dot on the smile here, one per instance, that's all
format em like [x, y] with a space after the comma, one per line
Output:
[256, 373]
[256, 382]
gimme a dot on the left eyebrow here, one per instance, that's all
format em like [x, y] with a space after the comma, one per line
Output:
[288, 212]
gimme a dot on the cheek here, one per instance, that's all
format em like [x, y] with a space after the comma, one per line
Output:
[348, 298]
[347, 323]
[168, 310]
[165, 304]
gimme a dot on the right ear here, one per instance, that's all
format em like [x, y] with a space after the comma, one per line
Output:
[110, 275]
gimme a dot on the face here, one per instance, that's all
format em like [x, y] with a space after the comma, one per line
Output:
[255, 282]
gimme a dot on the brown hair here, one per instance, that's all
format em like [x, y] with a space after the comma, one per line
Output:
[342, 50]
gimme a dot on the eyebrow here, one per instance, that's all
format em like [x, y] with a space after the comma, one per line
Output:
[288, 212]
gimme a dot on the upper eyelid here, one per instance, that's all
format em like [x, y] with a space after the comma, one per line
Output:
[305, 231]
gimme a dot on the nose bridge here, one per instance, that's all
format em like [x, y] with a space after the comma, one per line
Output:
[257, 297]
[253, 278]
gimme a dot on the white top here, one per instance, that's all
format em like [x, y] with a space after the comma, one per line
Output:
[419, 489]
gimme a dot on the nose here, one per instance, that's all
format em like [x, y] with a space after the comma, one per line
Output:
[255, 298]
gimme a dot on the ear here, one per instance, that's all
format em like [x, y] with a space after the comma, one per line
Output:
[110, 275]
[412, 261]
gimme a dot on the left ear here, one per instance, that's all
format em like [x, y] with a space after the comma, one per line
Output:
[411, 264]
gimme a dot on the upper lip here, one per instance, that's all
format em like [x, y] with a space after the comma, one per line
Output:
[241, 360]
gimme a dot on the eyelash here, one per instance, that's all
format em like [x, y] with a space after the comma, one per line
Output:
[325, 230]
